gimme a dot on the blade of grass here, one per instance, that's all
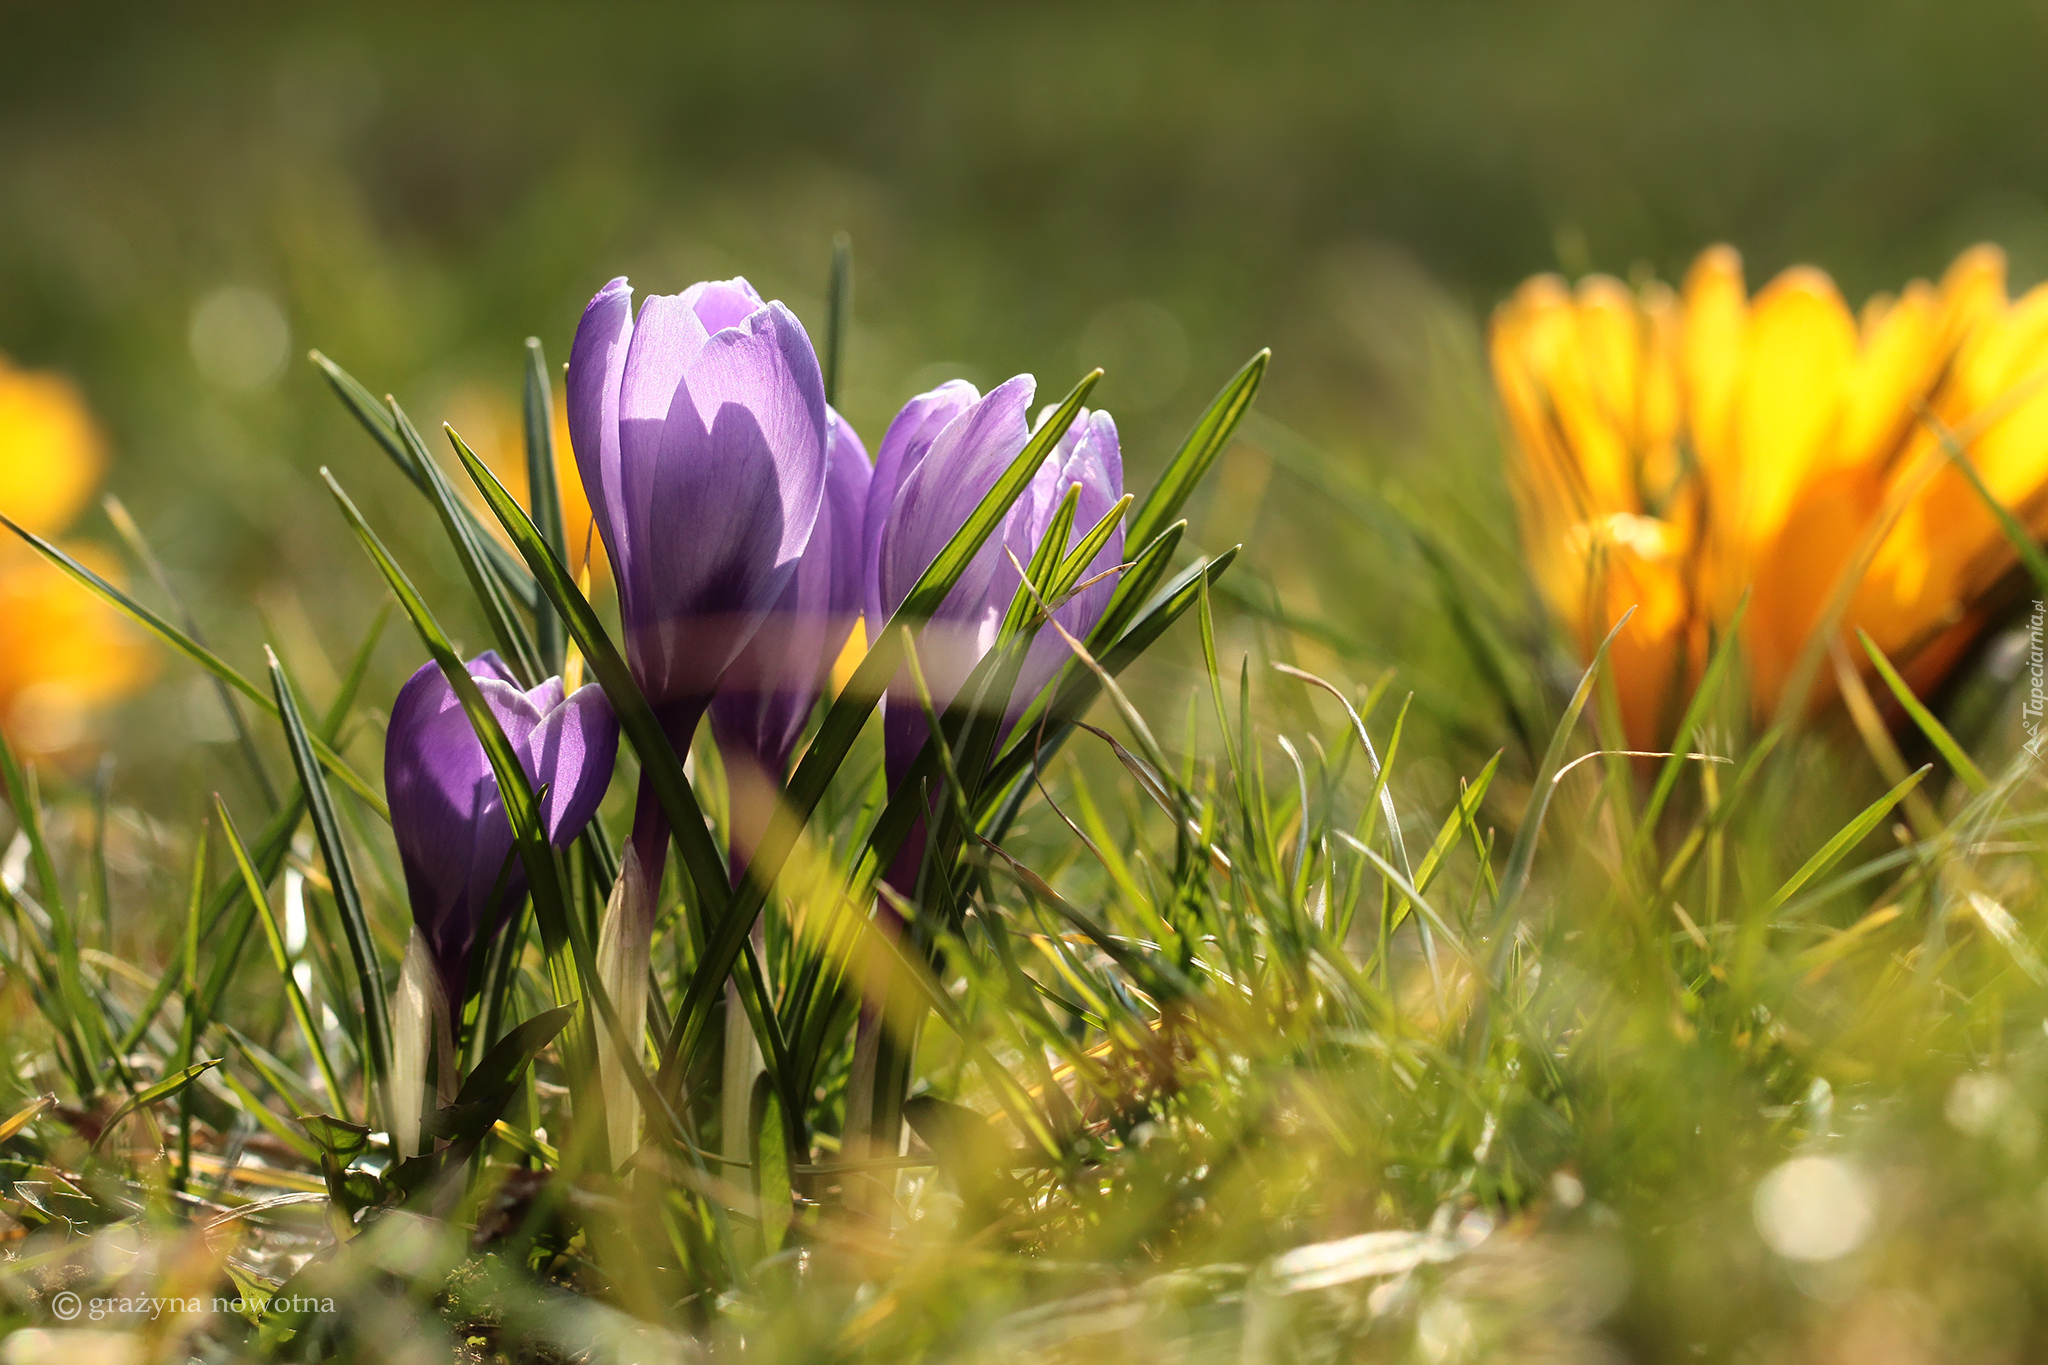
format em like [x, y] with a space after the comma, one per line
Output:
[1937, 734]
[1522, 853]
[466, 538]
[184, 644]
[162, 1090]
[1199, 451]
[658, 759]
[308, 1029]
[838, 312]
[271, 848]
[1845, 839]
[377, 422]
[355, 923]
[544, 498]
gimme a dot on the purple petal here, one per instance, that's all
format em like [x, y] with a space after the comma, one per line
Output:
[572, 751]
[597, 363]
[720, 304]
[723, 459]
[903, 447]
[936, 498]
[771, 687]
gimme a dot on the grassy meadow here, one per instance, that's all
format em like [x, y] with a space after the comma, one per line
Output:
[1540, 858]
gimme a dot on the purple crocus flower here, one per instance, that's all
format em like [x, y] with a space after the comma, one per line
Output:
[767, 694]
[454, 839]
[700, 433]
[940, 457]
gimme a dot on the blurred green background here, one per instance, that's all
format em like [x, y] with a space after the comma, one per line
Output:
[191, 196]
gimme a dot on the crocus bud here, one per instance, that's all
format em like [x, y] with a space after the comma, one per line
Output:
[939, 459]
[700, 433]
[420, 1029]
[454, 839]
[624, 939]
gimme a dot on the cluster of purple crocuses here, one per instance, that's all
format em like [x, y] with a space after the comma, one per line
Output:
[748, 534]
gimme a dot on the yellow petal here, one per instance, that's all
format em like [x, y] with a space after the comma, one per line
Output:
[495, 429]
[51, 450]
[1716, 308]
[1799, 351]
[63, 652]
[1798, 575]
[1904, 349]
[1640, 564]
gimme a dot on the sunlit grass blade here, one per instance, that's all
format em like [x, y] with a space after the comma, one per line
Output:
[1845, 839]
[1203, 444]
[544, 497]
[198, 654]
[162, 1090]
[1454, 823]
[1522, 853]
[308, 1028]
[1079, 686]
[1959, 760]
[375, 420]
[340, 875]
[1380, 795]
[467, 539]
[85, 1023]
[271, 847]
[1134, 586]
[1703, 698]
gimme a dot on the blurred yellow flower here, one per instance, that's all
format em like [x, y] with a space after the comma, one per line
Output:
[495, 429]
[1671, 450]
[63, 652]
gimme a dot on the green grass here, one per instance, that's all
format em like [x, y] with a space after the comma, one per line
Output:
[1242, 1017]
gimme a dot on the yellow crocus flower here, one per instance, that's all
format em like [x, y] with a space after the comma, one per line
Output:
[1671, 451]
[494, 427]
[63, 652]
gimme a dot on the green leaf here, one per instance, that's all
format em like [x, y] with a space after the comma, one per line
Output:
[838, 313]
[467, 539]
[355, 923]
[1522, 853]
[501, 1067]
[1937, 734]
[544, 498]
[197, 653]
[343, 1140]
[1845, 839]
[1199, 450]
[162, 1090]
[296, 998]
[1080, 686]
[377, 422]
[772, 1188]
[76, 1018]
